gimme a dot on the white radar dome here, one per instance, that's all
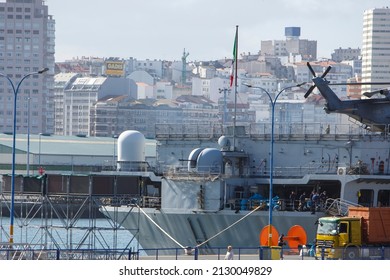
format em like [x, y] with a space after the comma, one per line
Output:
[131, 146]
[193, 157]
[224, 142]
[210, 160]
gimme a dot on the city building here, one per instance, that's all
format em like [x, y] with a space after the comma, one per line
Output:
[209, 88]
[341, 54]
[156, 68]
[292, 45]
[81, 95]
[354, 90]
[376, 48]
[85, 66]
[27, 44]
[62, 82]
[104, 116]
[356, 65]
[110, 116]
[163, 90]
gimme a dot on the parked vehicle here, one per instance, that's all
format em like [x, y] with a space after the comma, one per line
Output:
[363, 234]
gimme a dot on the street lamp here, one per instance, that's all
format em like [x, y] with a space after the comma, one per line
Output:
[271, 175]
[15, 91]
[39, 151]
[28, 133]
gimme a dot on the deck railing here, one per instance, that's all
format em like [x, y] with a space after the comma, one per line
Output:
[263, 131]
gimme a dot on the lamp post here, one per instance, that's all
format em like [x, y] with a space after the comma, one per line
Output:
[15, 91]
[271, 175]
[39, 150]
[28, 133]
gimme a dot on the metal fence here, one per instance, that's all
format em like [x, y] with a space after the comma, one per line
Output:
[25, 252]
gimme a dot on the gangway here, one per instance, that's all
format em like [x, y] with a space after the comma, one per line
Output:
[338, 207]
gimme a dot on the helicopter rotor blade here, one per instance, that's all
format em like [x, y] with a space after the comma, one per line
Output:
[359, 84]
[311, 69]
[326, 71]
[309, 91]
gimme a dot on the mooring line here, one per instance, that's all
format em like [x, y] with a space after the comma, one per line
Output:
[160, 228]
[204, 242]
[232, 225]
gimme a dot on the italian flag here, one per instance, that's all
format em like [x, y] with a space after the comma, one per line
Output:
[234, 58]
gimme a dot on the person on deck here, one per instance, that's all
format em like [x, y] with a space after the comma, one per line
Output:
[314, 202]
[302, 202]
[292, 200]
[229, 254]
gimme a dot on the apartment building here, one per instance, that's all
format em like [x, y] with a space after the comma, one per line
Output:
[81, 95]
[342, 54]
[62, 82]
[112, 115]
[291, 45]
[376, 47]
[26, 46]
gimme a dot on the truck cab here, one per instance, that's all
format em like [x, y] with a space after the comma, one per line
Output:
[338, 237]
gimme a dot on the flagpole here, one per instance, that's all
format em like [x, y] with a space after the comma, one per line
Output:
[235, 89]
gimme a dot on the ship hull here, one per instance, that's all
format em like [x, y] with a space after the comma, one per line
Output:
[209, 231]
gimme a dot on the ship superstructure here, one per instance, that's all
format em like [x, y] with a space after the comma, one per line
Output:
[211, 194]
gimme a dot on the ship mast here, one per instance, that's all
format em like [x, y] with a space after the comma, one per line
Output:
[235, 89]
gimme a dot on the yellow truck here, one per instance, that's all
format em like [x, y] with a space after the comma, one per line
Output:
[363, 234]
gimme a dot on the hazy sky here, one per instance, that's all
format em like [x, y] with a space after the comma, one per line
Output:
[161, 29]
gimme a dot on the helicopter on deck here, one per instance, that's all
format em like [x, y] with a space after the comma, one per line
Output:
[373, 112]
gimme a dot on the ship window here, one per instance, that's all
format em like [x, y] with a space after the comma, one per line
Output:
[152, 190]
[383, 198]
[365, 197]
